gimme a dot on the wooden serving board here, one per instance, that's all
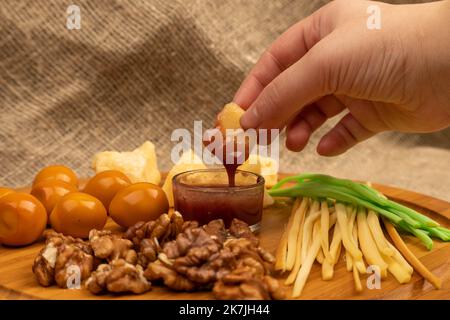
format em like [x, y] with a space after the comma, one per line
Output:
[17, 280]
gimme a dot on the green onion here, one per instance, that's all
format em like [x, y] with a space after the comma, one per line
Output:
[344, 190]
[438, 233]
[421, 235]
[312, 190]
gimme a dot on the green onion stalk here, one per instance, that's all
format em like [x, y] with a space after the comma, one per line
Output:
[347, 191]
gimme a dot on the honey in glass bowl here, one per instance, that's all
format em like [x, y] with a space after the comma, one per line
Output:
[204, 195]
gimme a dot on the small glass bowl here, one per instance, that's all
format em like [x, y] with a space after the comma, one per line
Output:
[204, 195]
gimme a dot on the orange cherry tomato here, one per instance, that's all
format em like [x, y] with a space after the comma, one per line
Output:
[104, 185]
[78, 213]
[138, 202]
[62, 173]
[5, 191]
[22, 219]
[49, 192]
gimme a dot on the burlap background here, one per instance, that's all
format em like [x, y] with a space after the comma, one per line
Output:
[138, 69]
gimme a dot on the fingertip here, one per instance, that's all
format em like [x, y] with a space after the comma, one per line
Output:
[297, 136]
[249, 119]
[323, 147]
[346, 134]
[295, 146]
[330, 146]
[240, 100]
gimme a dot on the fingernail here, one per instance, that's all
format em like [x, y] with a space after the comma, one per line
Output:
[250, 119]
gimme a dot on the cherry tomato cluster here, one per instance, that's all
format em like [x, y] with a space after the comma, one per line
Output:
[57, 199]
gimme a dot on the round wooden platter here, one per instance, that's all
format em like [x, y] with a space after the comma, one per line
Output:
[17, 280]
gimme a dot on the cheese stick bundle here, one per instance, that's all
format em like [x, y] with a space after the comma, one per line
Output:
[318, 230]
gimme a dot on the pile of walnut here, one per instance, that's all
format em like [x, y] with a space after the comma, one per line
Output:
[181, 255]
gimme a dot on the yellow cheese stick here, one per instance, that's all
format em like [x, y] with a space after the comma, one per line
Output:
[293, 234]
[359, 264]
[399, 258]
[348, 261]
[298, 261]
[378, 235]
[292, 276]
[280, 255]
[357, 279]
[368, 246]
[410, 257]
[307, 231]
[351, 214]
[328, 262]
[346, 237]
[335, 246]
[324, 227]
[320, 256]
[306, 265]
[317, 233]
[327, 269]
[401, 274]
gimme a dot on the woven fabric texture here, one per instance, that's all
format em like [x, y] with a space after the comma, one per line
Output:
[136, 70]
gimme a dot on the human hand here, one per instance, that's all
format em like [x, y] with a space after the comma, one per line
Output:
[395, 78]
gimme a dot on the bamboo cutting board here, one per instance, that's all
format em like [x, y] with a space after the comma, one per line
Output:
[17, 280]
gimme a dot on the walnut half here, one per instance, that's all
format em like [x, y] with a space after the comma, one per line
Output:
[44, 265]
[72, 261]
[171, 279]
[119, 276]
[109, 246]
[60, 255]
[165, 228]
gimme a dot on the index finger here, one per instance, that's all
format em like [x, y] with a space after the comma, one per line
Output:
[284, 52]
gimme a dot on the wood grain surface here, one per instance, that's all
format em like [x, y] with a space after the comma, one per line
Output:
[17, 280]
